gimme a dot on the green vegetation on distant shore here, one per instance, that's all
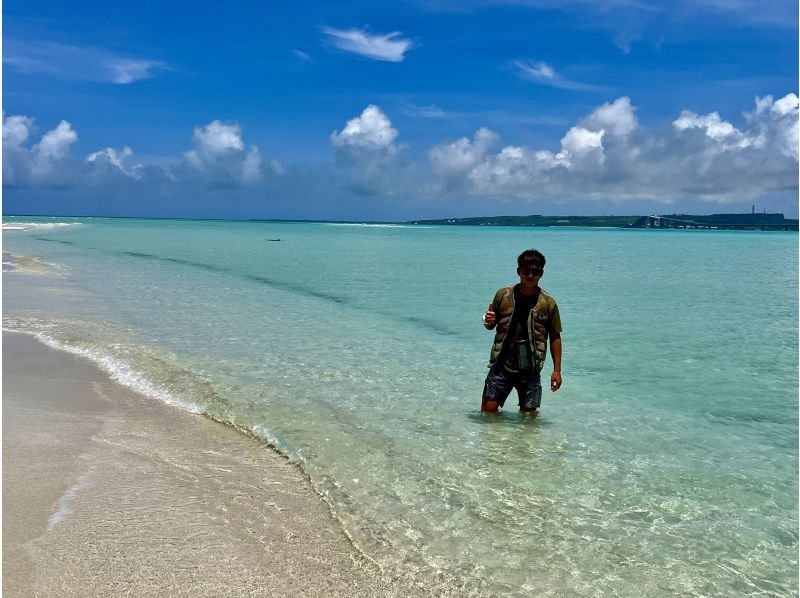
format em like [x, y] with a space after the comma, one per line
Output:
[613, 221]
[536, 220]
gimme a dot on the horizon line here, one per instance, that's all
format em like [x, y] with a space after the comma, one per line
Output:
[362, 221]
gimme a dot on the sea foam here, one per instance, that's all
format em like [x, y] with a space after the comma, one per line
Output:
[37, 225]
[117, 369]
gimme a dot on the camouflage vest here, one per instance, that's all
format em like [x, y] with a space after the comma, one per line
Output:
[538, 325]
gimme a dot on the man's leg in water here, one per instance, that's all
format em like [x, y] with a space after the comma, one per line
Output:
[530, 394]
[496, 389]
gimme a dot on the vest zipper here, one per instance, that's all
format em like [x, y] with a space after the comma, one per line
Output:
[503, 347]
[532, 333]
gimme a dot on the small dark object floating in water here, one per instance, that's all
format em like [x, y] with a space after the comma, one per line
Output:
[272, 239]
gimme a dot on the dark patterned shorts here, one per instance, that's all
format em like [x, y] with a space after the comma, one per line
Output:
[499, 384]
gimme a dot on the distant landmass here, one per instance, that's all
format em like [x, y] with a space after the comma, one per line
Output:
[536, 220]
[751, 221]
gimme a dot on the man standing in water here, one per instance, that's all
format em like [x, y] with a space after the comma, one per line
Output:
[526, 318]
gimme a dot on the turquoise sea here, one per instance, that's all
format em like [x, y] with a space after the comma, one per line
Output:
[667, 465]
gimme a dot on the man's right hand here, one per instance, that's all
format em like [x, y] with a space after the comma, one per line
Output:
[488, 317]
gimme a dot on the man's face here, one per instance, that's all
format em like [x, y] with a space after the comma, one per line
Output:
[529, 275]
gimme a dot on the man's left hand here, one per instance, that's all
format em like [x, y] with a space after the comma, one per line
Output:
[555, 381]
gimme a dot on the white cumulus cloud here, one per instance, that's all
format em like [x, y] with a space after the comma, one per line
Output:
[579, 143]
[510, 168]
[462, 155]
[786, 106]
[16, 130]
[779, 119]
[608, 156]
[251, 166]
[716, 128]
[366, 149]
[217, 138]
[370, 131]
[111, 161]
[52, 151]
[219, 155]
[111, 156]
[616, 118]
[219, 159]
[389, 47]
[45, 163]
[451, 162]
[55, 144]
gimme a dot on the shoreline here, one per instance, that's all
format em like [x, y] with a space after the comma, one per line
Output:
[109, 491]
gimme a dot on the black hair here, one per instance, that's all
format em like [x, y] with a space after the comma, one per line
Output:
[531, 257]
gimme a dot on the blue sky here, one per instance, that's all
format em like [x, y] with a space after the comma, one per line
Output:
[365, 110]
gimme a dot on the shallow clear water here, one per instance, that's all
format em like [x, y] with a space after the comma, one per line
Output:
[666, 465]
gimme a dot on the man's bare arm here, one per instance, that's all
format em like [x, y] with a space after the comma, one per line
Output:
[555, 351]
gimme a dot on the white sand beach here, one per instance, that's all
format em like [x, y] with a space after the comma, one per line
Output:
[110, 493]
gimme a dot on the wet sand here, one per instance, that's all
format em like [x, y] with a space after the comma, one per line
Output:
[110, 493]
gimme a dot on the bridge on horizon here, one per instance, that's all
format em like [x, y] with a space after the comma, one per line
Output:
[754, 222]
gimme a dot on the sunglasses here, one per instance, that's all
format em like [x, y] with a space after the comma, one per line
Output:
[533, 271]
